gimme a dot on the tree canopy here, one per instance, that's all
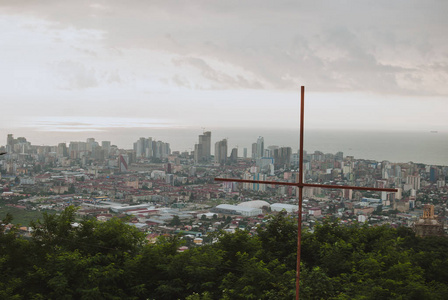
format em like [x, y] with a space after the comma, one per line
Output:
[112, 260]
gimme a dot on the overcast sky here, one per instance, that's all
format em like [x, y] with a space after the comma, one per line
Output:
[86, 66]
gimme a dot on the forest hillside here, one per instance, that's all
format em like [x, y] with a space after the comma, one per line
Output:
[112, 260]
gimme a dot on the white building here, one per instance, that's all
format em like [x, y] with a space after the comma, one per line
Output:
[238, 210]
[287, 207]
[255, 204]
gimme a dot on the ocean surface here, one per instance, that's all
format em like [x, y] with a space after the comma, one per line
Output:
[418, 147]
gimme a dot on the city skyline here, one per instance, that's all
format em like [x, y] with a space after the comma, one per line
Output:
[98, 68]
[398, 147]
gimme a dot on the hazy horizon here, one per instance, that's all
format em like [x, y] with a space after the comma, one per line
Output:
[72, 67]
[394, 146]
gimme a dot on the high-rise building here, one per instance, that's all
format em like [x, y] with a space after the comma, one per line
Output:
[202, 150]
[206, 141]
[165, 149]
[339, 156]
[414, 181]
[269, 151]
[260, 147]
[10, 140]
[140, 147]
[123, 163]
[146, 147]
[158, 149]
[433, 174]
[264, 164]
[282, 157]
[91, 144]
[77, 149]
[106, 147]
[254, 186]
[153, 146]
[398, 172]
[221, 151]
[18, 145]
[197, 153]
[149, 152]
[62, 150]
[169, 178]
[295, 159]
[10, 143]
[234, 155]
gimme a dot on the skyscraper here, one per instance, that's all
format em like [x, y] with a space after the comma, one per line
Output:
[165, 149]
[197, 153]
[146, 147]
[106, 147]
[140, 146]
[62, 150]
[143, 147]
[234, 155]
[260, 147]
[91, 144]
[149, 150]
[282, 157]
[10, 143]
[433, 174]
[202, 150]
[221, 151]
[413, 180]
[10, 140]
[206, 139]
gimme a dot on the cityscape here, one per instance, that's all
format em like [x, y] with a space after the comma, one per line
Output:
[160, 150]
[164, 191]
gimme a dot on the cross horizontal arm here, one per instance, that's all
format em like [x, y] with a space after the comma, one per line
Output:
[297, 184]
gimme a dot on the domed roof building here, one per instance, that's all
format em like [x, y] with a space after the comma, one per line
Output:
[255, 204]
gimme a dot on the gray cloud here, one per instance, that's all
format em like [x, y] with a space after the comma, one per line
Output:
[181, 81]
[75, 75]
[113, 77]
[220, 78]
[85, 51]
[373, 46]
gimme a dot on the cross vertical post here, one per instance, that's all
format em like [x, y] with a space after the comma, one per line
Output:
[299, 217]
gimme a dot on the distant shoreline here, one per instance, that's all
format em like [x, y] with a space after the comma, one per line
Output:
[394, 146]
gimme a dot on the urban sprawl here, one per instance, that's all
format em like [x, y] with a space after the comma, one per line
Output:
[164, 192]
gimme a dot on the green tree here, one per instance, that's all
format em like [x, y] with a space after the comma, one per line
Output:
[71, 189]
[279, 239]
[175, 221]
[111, 260]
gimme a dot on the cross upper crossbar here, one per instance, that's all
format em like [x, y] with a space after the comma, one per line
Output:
[300, 185]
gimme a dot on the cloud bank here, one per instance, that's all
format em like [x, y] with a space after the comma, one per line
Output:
[397, 47]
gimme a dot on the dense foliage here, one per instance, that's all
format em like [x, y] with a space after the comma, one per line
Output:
[111, 260]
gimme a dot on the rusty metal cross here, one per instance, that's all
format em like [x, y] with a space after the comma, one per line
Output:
[301, 185]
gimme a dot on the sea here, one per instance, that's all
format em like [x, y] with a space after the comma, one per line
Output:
[429, 148]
